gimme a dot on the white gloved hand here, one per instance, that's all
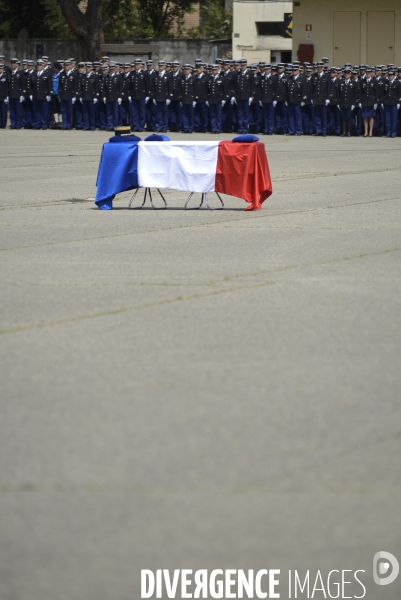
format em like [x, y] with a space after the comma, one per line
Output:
[180, 103]
[73, 100]
[286, 103]
[260, 103]
[233, 101]
[48, 98]
[398, 106]
[154, 102]
[327, 102]
[94, 100]
[104, 100]
[302, 103]
[375, 106]
[129, 98]
[207, 102]
[274, 103]
[311, 102]
[382, 105]
[146, 99]
[31, 98]
[223, 102]
[21, 99]
[119, 101]
[168, 101]
[360, 105]
[352, 107]
[81, 100]
[6, 100]
[193, 104]
[339, 108]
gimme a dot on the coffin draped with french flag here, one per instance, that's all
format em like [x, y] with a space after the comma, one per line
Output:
[236, 169]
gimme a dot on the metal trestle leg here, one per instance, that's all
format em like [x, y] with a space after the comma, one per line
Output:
[147, 190]
[204, 198]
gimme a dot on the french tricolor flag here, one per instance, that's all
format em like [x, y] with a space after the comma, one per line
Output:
[236, 169]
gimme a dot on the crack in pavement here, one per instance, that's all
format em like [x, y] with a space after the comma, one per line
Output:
[125, 309]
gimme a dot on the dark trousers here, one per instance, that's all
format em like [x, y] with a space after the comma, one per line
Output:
[254, 117]
[66, 113]
[334, 118]
[215, 117]
[40, 110]
[308, 119]
[112, 115]
[175, 116]
[227, 117]
[101, 121]
[161, 116]
[150, 115]
[201, 117]
[294, 119]
[380, 121]
[268, 117]
[391, 120]
[125, 112]
[29, 114]
[78, 114]
[243, 115]
[138, 115]
[187, 118]
[89, 115]
[15, 113]
[3, 114]
[281, 114]
[321, 120]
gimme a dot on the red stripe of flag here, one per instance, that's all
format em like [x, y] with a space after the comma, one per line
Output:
[243, 171]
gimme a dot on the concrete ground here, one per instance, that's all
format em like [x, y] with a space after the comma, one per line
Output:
[198, 389]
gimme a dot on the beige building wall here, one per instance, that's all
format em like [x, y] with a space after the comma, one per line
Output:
[246, 42]
[376, 26]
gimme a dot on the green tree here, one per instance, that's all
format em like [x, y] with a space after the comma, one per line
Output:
[41, 18]
[216, 22]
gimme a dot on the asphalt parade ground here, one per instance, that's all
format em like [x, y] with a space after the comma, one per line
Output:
[198, 389]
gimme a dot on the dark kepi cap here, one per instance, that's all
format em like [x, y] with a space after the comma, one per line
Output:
[122, 130]
[243, 61]
[296, 63]
[127, 65]
[325, 60]
[14, 60]
[391, 72]
[176, 63]
[187, 66]
[45, 58]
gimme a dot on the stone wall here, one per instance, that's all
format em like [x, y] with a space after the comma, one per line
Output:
[184, 50]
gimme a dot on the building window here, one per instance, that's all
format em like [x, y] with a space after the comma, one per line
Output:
[271, 28]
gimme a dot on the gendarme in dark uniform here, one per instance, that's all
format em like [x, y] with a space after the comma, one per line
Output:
[244, 88]
[41, 87]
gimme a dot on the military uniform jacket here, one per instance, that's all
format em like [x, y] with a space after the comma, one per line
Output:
[267, 88]
[369, 92]
[308, 90]
[295, 90]
[4, 86]
[320, 89]
[381, 82]
[228, 84]
[150, 77]
[41, 84]
[126, 79]
[162, 87]
[244, 86]
[201, 87]
[90, 87]
[113, 87]
[392, 92]
[281, 82]
[68, 85]
[17, 84]
[333, 88]
[216, 90]
[176, 85]
[139, 89]
[347, 93]
[257, 92]
[187, 89]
